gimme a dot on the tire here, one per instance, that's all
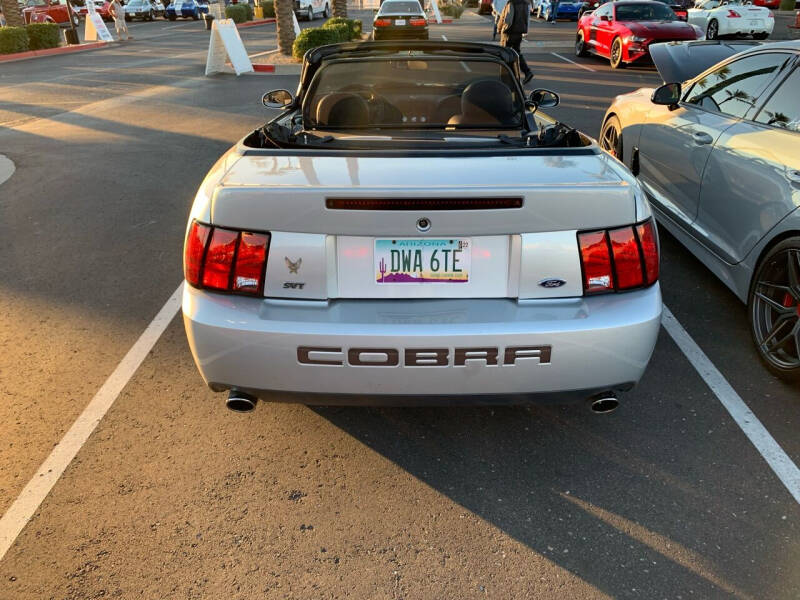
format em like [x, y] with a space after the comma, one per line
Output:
[327, 12]
[195, 16]
[615, 57]
[611, 137]
[310, 15]
[128, 18]
[773, 309]
[580, 45]
[172, 17]
[712, 31]
[151, 16]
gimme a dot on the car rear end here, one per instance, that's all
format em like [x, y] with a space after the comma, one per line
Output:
[400, 21]
[405, 280]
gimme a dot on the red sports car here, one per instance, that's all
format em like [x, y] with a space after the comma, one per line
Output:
[773, 4]
[623, 31]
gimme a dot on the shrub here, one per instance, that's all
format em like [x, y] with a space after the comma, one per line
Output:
[248, 8]
[237, 12]
[312, 37]
[342, 31]
[268, 6]
[43, 35]
[353, 27]
[451, 10]
[13, 39]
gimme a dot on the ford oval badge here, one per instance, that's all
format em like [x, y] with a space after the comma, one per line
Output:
[552, 283]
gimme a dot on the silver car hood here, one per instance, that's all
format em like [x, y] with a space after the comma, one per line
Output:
[681, 61]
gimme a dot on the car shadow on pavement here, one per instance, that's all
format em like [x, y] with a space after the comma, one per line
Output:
[633, 503]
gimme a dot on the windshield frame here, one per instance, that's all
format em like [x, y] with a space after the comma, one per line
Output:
[308, 122]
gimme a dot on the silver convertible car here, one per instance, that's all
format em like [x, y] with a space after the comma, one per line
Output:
[408, 230]
[717, 150]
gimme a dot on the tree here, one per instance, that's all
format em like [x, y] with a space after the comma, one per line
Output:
[12, 13]
[284, 22]
[340, 8]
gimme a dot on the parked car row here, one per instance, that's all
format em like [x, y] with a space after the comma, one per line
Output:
[145, 10]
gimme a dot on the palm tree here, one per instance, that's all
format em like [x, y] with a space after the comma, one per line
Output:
[340, 8]
[12, 12]
[284, 22]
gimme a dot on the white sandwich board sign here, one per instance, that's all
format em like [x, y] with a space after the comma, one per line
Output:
[95, 27]
[225, 44]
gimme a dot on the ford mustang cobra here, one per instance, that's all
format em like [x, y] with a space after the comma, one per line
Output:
[408, 229]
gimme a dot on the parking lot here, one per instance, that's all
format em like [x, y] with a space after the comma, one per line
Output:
[677, 494]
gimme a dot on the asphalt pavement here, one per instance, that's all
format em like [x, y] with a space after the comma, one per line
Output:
[172, 496]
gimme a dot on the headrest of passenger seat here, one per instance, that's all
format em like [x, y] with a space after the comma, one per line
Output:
[341, 109]
[486, 101]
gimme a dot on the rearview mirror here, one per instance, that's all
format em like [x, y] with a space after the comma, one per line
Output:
[277, 99]
[542, 98]
[668, 94]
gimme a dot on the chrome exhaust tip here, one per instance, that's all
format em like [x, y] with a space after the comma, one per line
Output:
[604, 403]
[240, 402]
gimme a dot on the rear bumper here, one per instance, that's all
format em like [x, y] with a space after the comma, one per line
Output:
[383, 350]
[400, 33]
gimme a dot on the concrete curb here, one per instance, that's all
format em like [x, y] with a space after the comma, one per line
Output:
[255, 23]
[51, 51]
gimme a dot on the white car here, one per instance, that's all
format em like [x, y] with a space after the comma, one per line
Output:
[732, 18]
[311, 9]
[408, 229]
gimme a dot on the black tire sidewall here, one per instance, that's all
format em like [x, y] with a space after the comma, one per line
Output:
[789, 243]
[615, 121]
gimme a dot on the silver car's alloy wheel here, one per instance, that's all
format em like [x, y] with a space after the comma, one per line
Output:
[775, 309]
[712, 32]
[611, 137]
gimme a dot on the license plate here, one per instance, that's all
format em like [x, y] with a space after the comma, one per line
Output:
[755, 22]
[399, 21]
[422, 260]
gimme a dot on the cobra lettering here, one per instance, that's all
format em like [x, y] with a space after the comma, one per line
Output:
[423, 357]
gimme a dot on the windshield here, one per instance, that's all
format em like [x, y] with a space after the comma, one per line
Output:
[400, 8]
[413, 94]
[645, 12]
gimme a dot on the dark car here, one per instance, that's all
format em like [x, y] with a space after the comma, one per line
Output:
[400, 20]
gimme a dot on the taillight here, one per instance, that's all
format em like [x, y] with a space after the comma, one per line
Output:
[225, 260]
[619, 259]
[382, 22]
[733, 14]
[596, 259]
[418, 22]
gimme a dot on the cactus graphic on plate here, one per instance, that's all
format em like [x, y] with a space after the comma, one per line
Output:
[382, 268]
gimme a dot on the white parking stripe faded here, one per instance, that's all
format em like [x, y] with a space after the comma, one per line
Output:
[557, 55]
[7, 168]
[37, 489]
[444, 37]
[766, 445]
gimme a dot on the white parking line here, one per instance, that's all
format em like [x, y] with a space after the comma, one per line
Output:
[32, 496]
[444, 38]
[766, 445]
[556, 54]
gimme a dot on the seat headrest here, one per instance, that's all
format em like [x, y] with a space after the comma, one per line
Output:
[487, 101]
[341, 109]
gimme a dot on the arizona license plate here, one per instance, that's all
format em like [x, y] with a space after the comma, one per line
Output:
[755, 22]
[422, 260]
[399, 21]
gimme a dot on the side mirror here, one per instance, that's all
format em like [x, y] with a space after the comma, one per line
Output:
[668, 94]
[605, 18]
[277, 99]
[541, 98]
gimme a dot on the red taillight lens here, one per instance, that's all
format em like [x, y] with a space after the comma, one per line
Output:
[418, 22]
[225, 259]
[382, 22]
[627, 260]
[649, 240]
[251, 259]
[193, 254]
[733, 14]
[219, 259]
[619, 259]
[596, 259]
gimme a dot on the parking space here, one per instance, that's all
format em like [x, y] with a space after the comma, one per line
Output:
[172, 496]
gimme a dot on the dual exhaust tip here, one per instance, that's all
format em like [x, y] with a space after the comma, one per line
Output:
[242, 402]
